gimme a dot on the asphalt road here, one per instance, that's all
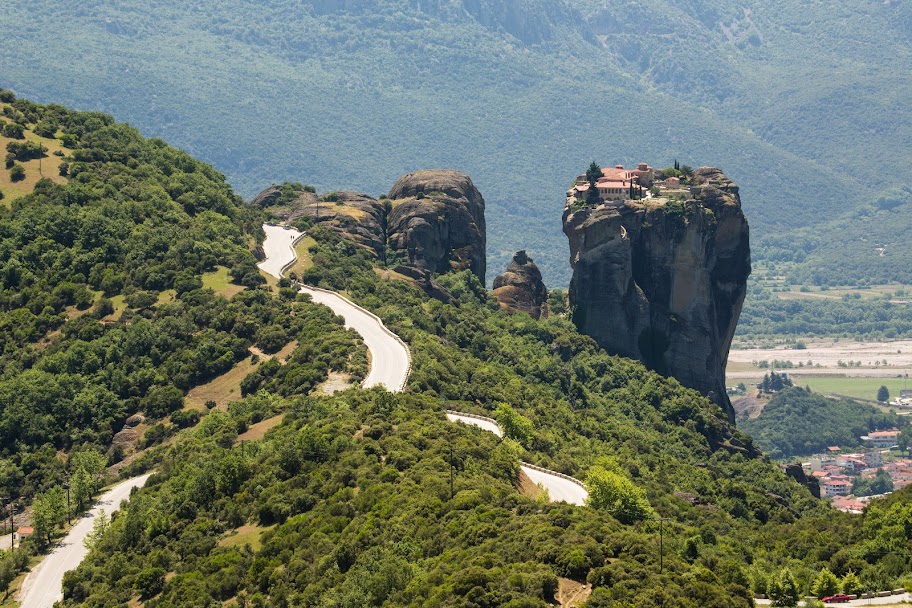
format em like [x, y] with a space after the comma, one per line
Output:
[483, 424]
[390, 362]
[560, 489]
[44, 585]
[279, 249]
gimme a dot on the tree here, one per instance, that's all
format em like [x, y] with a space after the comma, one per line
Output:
[783, 590]
[17, 173]
[825, 584]
[611, 491]
[14, 131]
[904, 440]
[850, 584]
[99, 527]
[883, 394]
[515, 425]
[593, 174]
[81, 487]
[46, 510]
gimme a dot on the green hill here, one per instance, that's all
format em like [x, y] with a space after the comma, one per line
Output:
[286, 497]
[797, 422]
[801, 103]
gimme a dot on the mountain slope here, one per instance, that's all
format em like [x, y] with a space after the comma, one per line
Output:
[519, 95]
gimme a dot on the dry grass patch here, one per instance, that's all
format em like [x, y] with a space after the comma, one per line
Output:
[245, 535]
[304, 260]
[258, 431]
[219, 281]
[527, 487]
[223, 389]
[49, 166]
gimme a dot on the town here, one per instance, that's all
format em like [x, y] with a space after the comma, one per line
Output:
[880, 465]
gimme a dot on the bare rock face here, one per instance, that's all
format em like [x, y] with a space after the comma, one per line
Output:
[664, 282]
[437, 220]
[520, 287]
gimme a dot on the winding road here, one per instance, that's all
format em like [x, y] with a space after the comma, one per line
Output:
[561, 488]
[390, 359]
[44, 585]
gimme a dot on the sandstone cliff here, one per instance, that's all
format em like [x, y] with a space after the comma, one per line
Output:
[437, 218]
[663, 282]
[433, 223]
[520, 287]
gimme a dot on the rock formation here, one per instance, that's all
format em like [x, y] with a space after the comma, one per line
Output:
[437, 219]
[520, 287]
[433, 223]
[664, 281]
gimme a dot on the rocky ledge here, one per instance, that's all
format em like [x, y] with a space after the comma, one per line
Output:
[663, 280]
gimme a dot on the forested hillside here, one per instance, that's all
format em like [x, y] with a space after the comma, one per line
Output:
[801, 103]
[130, 280]
[350, 501]
[797, 422]
[103, 310]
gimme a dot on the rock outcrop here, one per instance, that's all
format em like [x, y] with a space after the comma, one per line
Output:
[520, 287]
[432, 223]
[664, 281]
[796, 472]
[437, 220]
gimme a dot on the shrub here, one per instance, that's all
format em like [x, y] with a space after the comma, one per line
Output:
[17, 173]
[14, 130]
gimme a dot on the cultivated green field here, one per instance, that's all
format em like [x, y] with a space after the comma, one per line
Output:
[860, 388]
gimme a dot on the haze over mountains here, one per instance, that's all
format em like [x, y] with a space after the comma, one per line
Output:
[800, 103]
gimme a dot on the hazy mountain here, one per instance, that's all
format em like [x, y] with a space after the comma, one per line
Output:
[800, 103]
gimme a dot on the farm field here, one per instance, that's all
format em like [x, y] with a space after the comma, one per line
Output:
[857, 387]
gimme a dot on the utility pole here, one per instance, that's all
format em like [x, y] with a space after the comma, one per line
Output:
[40, 154]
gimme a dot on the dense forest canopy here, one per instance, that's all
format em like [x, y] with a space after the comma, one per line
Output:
[799, 102]
[102, 310]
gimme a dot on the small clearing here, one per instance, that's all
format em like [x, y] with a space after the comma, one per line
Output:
[335, 382]
[219, 281]
[572, 594]
[222, 389]
[49, 166]
[245, 535]
[257, 431]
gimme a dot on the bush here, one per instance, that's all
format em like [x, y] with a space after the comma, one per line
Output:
[17, 173]
[14, 131]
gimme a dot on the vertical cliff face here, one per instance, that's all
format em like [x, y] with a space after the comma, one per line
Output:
[663, 281]
[520, 287]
